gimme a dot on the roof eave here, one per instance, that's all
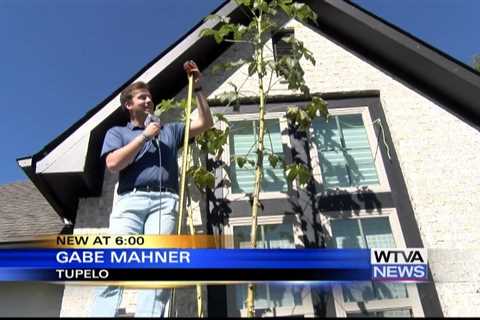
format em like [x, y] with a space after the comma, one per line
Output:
[27, 164]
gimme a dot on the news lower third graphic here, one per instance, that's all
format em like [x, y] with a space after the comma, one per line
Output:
[203, 259]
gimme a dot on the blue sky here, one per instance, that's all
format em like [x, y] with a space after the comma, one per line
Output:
[61, 58]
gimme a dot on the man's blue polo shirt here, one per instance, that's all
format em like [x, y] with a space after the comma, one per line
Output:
[145, 169]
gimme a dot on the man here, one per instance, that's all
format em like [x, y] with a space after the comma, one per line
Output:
[147, 191]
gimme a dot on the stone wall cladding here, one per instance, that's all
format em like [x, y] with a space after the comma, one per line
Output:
[92, 218]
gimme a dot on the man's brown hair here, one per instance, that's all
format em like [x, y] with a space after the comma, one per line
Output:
[127, 93]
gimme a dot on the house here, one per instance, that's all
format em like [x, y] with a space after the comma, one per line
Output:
[24, 213]
[407, 116]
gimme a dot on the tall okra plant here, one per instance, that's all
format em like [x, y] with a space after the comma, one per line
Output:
[263, 68]
[210, 142]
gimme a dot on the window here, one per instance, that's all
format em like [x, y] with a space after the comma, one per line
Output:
[281, 47]
[345, 151]
[267, 296]
[394, 313]
[271, 299]
[242, 142]
[366, 233]
[379, 299]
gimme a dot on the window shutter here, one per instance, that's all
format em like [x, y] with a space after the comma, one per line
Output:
[344, 151]
[273, 178]
[241, 140]
[243, 136]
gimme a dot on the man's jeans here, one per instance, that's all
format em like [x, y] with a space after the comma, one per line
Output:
[139, 212]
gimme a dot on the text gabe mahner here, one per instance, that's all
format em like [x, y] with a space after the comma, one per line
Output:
[87, 257]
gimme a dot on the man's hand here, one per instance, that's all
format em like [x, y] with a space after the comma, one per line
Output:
[152, 130]
[191, 67]
[204, 119]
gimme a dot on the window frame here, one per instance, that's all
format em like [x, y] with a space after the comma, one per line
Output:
[306, 309]
[342, 308]
[285, 140]
[383, 185]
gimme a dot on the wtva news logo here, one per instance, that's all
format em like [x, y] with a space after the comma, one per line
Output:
[399, 265]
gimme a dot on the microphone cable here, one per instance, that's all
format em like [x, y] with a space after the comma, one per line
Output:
[156, 140]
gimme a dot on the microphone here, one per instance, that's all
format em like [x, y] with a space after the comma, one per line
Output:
[151, 118]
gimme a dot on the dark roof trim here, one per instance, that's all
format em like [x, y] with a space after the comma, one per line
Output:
[300, 97]
[28, 166]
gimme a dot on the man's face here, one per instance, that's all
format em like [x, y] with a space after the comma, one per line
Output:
[141, 102]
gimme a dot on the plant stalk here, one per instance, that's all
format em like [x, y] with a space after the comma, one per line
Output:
[185, 158]
[259, 164]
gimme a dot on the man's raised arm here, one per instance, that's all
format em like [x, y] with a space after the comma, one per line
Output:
[204, 121]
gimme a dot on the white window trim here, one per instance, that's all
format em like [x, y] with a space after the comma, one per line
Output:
[343, 308]
[306, 309]
[283, 122]
[383, 186]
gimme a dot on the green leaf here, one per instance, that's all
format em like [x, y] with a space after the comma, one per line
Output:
[303, 174]
[261, 5]
[165, 105]
[291, 172]
[320, 106]
[183, 105]
[299, 171]
[273, 159]
[290, 69]
[239, 32]
[206, 32]
[228, 97]
[292, 113]
[225, 135]
[298, 11]
[191, 170]
[299, 118]
[223, 19]
[304, 120]
[213, 140]
[203, 178]
[240, 161]
[303, 12]
[221, 117]
[246, 3]
[222, 32]
[286, 6]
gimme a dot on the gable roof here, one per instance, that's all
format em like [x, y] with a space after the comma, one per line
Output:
[24, 213]
[452, 84]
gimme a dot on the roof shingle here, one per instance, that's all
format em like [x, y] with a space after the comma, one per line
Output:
[24, 213]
